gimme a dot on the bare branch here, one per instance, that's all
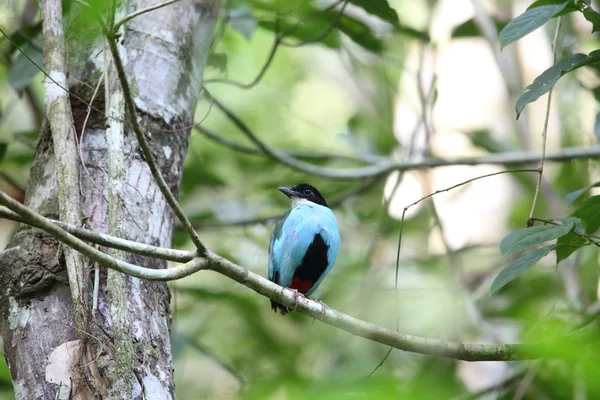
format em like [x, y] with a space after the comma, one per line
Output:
[389, 165]
[545, 129]
[141, 137]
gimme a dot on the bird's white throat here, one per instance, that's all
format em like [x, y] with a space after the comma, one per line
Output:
[297, 201]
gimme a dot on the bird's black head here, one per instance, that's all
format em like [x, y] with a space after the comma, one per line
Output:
[304, 191]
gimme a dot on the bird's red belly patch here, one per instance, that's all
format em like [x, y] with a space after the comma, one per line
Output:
[300, 285]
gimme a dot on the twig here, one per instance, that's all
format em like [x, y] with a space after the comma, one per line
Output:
[143, 142]
[301, 154]
[137, 13]
[400, 242]
[385, 167]
[260, 74]
[545, 129]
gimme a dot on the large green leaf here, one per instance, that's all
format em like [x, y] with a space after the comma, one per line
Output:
[543, 83]
[589, 214]
[571, 197]
[528, 22]
[593, 17]
[528, 237]
[360, 33]
[381, 8]
[470, 28]
[520, 265]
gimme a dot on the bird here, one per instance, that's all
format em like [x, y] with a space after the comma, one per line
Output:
[304, 243]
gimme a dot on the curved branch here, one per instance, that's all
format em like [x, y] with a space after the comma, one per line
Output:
[287, 297]
[389, 165]
[303, 154]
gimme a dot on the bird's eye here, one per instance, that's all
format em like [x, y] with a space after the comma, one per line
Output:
[307, 192]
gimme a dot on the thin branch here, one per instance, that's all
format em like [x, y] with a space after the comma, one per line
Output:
[301, 154]
[101, 239]
[261, 73]
[545, 129]
[389, 165]
[279, 40]
[140, 12]
[143, 142]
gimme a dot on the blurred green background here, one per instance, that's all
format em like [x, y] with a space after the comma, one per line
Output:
[407, 80]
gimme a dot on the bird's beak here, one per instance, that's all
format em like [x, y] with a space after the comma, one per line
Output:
[287, 191]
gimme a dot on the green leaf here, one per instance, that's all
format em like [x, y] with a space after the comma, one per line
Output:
[566, 245]
[571, 197]
[22, 70]
[242, 21]
[528, 22]
[528, 237]
[360, 33]
[543, 83]
[593, 17]
[520, 265]
[380, 8]
[589, 212]
[470, 28]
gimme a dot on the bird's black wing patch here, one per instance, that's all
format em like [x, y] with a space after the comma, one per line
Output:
[314, 262]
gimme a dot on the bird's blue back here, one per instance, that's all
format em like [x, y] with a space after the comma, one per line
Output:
[293, 235]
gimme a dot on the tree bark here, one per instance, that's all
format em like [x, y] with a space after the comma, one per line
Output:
[164, 53]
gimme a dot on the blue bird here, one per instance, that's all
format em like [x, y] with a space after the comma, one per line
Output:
[304, 243]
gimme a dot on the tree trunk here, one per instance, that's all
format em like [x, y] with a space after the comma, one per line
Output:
[164, 53]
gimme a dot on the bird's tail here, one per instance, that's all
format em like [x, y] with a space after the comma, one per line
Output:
[276, 306]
